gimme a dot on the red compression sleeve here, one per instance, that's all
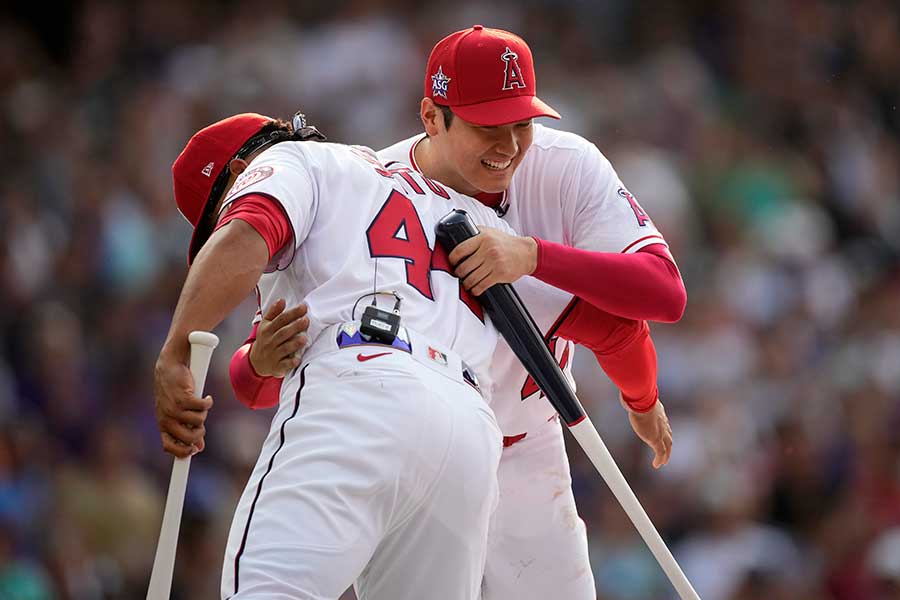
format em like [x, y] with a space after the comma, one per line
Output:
[265, 215]
[623, 348]
[642, 285]
[251, 389]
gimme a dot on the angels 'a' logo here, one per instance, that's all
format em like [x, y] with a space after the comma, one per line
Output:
[639, 213]
[512, 76]
[439, 83]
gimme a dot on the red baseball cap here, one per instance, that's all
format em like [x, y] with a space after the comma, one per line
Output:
[202, 162]
[486, 76]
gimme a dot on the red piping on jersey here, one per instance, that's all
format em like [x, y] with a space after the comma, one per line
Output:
[639, 240]
[561, 318]
[412, 155]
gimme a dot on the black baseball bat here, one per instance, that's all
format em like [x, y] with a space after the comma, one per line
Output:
[512, 319]
[516, 325]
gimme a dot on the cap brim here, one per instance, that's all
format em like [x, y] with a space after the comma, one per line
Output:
[505, 111]
[197, 240]
[202, 233]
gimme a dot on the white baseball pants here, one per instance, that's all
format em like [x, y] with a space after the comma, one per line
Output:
[377, 469]
[537, 546]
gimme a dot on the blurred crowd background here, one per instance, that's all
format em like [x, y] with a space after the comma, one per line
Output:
[762, 137]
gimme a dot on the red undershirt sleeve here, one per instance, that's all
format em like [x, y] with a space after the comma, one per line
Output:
[623, 348]
[643, 285]
[268, 218]
[251, 389]
[265, 215]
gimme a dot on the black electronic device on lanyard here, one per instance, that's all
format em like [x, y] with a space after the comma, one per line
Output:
[381, 325]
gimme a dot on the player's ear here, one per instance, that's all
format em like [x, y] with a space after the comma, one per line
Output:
[237, 166]
[432, 118]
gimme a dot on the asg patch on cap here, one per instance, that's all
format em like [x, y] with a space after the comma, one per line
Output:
[439, 83]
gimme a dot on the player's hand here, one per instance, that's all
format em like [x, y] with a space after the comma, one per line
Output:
[180, 416]
[492, 257]
[654, 429]
[280, 337]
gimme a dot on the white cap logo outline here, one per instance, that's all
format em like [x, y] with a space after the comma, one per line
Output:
[512, 74]
[439, 83]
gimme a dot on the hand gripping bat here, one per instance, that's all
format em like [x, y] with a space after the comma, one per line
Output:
[515, 324]
[202, 345]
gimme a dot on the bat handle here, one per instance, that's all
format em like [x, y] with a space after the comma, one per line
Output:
[202, 345]
[454, 228]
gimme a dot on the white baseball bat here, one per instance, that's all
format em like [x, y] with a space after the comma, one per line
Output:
[592, 444]
[512, 319]
[202, 345]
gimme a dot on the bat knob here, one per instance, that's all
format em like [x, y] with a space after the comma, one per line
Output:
[203, 338]
[454, 228]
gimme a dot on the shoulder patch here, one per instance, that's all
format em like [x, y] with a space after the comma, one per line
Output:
[639, 214]
[248, 178]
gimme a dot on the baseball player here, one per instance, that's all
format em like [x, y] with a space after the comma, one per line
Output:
[380, 465]
[602, 269]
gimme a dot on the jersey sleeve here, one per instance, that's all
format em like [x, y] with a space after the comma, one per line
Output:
[265, 216]
[281, 173]
[603, 215]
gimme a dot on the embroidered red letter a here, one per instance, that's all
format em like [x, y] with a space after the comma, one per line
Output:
[512, 76]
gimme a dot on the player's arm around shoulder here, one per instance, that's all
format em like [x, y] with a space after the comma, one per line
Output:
[271, 352]
[280, 337]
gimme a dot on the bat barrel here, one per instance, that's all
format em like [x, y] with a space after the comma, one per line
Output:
[592, 444]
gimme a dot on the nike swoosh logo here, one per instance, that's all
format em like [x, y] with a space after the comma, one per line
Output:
[364, 358]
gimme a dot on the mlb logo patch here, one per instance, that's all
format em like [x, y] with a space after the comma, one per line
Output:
[349, 328]
[437, 356]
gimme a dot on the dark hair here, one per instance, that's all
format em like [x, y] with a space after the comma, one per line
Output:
[448, 115]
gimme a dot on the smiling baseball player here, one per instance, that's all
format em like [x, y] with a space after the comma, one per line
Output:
[599, 268]
[592, 245]
[380, 465]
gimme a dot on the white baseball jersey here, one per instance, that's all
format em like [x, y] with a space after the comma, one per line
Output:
[564, 191]
[377, 458]
[331, 193]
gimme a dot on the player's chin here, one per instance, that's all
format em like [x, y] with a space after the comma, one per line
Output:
[494, 180]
